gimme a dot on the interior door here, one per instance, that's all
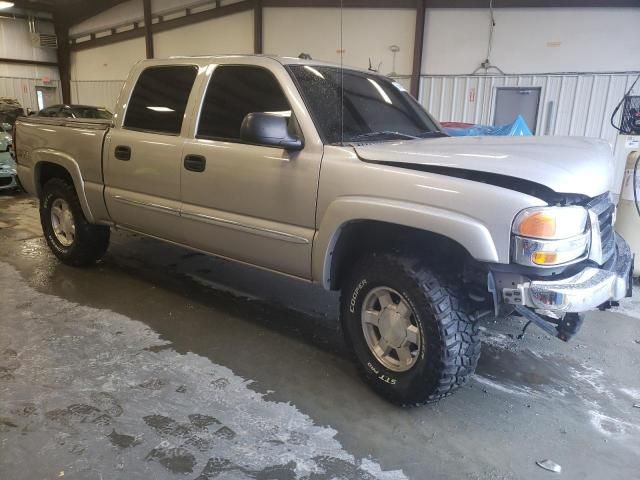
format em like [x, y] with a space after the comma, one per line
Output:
[251, 203]
[143, 158]
[46, 96]
[514, 101]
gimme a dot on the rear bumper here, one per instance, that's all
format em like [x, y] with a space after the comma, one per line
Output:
[589, 289]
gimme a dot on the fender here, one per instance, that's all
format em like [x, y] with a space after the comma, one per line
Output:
[467, 231]
[39, 156]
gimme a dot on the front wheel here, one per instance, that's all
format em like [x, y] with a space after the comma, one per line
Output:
[68, 233]
[408, 328]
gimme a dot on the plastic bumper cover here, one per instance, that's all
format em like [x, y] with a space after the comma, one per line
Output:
[587, 290]
[8, 181]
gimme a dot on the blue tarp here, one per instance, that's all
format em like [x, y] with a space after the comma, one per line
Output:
[518, 128]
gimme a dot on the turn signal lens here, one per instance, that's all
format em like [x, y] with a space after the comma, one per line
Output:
[551, 223]
[538, 225]
[544, 258]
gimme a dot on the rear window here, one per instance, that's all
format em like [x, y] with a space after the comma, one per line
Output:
[159, 99]
[91, 112]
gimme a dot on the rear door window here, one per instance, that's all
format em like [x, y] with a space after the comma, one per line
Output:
[159, 99]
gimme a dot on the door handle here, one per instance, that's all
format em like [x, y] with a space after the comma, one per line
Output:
[122, 152]
[195, 163]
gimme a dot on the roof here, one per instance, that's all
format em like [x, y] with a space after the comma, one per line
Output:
[280, 59]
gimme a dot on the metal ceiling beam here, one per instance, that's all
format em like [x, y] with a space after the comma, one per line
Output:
[76, 12]
[418, 44]
[64, 55]
[148, 35]
[164, 25]
[21, 61]
[210, 14]
[136, 32]
[34, 6]
[257, 27]
[344, 3]
[532, 3]
[452, 3]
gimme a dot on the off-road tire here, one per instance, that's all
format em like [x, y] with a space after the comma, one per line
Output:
[91, 241]
[450, 346]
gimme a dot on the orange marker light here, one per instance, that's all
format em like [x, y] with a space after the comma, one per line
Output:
[538, 225]
[544, 258]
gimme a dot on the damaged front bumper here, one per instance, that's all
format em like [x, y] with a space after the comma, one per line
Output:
[587, 290]
[556, 305]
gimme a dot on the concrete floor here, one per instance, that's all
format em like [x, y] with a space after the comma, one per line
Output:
[162, 363]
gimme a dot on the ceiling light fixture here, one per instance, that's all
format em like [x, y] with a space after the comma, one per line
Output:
[5, 5]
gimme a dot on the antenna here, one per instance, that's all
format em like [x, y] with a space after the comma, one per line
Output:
[341, 76]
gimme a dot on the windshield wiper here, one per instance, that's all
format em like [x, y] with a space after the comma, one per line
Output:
[386, 133]
[431, 134]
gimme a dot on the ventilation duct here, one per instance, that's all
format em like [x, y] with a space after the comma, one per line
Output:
[41, 40]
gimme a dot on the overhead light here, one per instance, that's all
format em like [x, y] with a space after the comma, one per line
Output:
[161, 109]
[5, 5]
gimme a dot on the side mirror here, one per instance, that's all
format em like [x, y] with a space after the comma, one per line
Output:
[269, 129]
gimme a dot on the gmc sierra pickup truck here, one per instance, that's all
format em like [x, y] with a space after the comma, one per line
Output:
[338, 176]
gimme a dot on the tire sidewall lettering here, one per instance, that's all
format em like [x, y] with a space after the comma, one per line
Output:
[356, 292]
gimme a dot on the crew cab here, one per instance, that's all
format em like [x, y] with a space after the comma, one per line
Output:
[339, 177]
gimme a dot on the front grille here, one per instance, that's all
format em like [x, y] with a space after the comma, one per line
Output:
[4, 181]
[603, 210]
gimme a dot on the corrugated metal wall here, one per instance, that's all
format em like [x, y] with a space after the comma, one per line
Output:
[24, 89]
[99, 93]
[570, 104]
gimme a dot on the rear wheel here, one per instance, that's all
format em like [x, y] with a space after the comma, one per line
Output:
[68, 233]
[408, 329]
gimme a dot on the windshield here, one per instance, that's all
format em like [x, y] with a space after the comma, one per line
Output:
[375, 108]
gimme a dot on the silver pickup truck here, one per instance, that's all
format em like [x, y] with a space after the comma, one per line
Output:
[340, 177]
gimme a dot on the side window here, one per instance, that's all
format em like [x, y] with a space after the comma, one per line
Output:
[49, 112]
[235, 91]
[159, 99]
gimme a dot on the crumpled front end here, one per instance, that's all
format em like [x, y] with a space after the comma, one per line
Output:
[588, 289]
[557, 299]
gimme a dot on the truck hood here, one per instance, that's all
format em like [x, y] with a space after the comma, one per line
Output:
[563, 164]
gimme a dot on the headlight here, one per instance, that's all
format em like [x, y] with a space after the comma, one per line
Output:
[551, 223]
[550, 236]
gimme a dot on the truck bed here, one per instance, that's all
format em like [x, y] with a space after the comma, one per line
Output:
[75, 144]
